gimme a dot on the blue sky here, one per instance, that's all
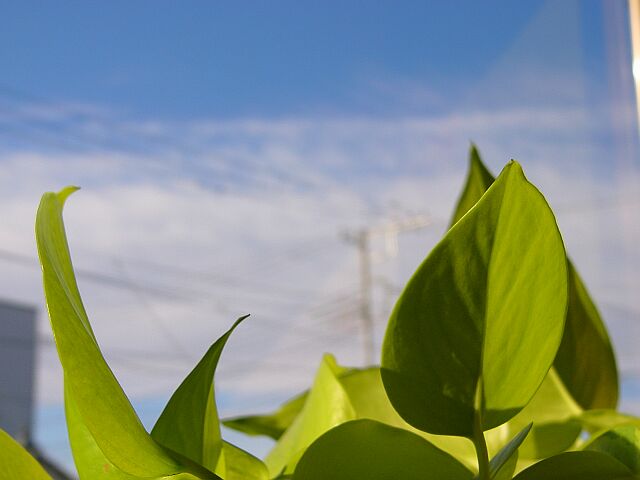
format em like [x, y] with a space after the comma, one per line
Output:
[229, 59]
[223, 148]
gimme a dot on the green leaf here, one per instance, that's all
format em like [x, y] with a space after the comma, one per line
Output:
[89, 459]
[554, 414]
[479, 179]
[103, 406]
[326, 406]
[577, 466]
[484, 312]
[240, 465]
[365, 449]
[622, 443]
[189, 423]
[595, 421]
[504, 463]
[369, 400]
[585, 360]
[271, 425]
[16, 463]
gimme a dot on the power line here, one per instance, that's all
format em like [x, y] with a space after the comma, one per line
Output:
[90, 275]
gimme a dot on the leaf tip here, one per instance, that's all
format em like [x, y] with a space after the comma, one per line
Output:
[66, 191]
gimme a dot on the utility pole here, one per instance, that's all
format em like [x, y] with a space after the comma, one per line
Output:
[361, 239]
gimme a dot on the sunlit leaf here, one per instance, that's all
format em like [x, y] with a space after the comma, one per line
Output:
[365, 449]
[240, 465]
[103, 406]
[189, 423]
[326, 406]
[585, 360]
[89, 459]
[484, 312]
[16, 463]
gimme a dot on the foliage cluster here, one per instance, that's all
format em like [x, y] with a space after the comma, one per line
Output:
[495, 365]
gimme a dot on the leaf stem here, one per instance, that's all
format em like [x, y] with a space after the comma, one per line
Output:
[478, 434]
[481, 448]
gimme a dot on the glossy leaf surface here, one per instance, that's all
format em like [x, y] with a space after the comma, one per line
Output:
[365, 449]
[487, 304]
[16, 463]
[102, 404]
[585, 360]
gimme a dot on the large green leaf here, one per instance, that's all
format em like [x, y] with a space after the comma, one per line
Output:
[365, 449]
[577, 466]
[103, 406]
[585, 360]
[622, 443]
[16, 463]
[326, 406]
[189, 423]
[477, 327]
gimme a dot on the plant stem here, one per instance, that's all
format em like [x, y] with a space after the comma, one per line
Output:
[478, 435]
[481, 448]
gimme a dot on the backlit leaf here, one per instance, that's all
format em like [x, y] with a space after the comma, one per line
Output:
[240, 465]
[365, 449]
[484, 312]
[16, 463]
[326, 406]
[189, 424]
[103, 406]
[585, 360]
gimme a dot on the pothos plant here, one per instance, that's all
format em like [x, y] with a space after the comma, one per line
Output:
[495, 365]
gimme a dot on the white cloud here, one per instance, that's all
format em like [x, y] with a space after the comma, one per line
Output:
[215, 219]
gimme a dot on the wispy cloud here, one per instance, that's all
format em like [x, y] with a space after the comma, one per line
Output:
[198, 222]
